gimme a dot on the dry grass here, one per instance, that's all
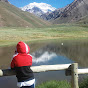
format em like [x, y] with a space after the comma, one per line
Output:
[13, 35]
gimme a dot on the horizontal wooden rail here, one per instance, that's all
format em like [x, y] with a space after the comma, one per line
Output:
[35, 69]
[43, 68]
[70, 69]
[83, 71]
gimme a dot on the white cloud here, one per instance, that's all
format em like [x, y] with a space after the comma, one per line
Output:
[44, 58]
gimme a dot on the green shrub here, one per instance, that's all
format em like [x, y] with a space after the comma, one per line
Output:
[54, 84]
[84, 83]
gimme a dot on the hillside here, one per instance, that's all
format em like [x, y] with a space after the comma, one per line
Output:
[4, 0]
[13, 16]
[74, 12]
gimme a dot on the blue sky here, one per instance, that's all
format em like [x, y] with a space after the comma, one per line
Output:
[54, 3]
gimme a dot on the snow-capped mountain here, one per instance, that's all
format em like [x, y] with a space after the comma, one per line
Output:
[38, 8]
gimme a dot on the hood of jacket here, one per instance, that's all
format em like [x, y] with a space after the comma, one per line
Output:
[22, 47]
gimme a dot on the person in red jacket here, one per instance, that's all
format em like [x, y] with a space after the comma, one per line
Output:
[21, 63]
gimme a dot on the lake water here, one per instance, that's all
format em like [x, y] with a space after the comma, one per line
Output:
[47, 53]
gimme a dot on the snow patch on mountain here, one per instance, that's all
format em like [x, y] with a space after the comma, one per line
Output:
[38, 8]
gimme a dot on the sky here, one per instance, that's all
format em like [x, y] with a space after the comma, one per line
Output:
[53, 3]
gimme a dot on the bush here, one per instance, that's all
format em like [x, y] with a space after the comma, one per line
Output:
[54, 84]
[84, 83]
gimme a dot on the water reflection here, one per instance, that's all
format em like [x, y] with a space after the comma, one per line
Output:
[6, 54]
[45, 57]
[47, 53]
[72, 51]
[76, 51]
[8, 82]
[50, 58]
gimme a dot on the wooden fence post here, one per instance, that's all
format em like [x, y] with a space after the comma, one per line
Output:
[74, 74]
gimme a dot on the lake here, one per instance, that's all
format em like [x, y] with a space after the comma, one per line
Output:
[47, 53]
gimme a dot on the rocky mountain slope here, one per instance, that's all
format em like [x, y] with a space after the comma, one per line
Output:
[4, 0]
[13, 16]
[71, 13]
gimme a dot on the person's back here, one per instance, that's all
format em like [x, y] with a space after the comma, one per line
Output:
[21, 62]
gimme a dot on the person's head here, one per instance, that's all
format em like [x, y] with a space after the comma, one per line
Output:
[22, 48]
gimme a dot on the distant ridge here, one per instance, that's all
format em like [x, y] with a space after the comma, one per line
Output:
[73, 12]
[4, 0]
[13, 16]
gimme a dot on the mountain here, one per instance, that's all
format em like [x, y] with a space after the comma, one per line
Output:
[35, 10]
[73, 12]
[38, 8]
[4, 0]
[13, 16]
[53, 15]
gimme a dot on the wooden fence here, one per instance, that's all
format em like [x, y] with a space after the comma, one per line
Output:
[70, 69]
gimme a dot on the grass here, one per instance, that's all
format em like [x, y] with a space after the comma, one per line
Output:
[55, 84]
[11, 35]
[84, 83]
[62, 84]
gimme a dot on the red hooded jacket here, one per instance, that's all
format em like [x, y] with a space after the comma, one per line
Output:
[22, 61]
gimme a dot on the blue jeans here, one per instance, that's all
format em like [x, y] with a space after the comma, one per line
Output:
[32, 86]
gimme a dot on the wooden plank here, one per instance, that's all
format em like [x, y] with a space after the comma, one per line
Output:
[74, 74]
[83, 71]
[1, 72]
[44, 68]
[41, 68]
